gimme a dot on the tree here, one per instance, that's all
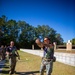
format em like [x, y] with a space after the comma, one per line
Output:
[12, 30]
[73, 41]
[2, 28]
[23, 34]
[46, 31]
[59, 38]
[26, 34]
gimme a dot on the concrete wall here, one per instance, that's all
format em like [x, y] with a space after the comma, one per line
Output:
[65, 58]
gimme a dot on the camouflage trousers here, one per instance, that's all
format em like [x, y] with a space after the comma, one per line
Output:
[12, 63]
[0, 56]
[48, 65]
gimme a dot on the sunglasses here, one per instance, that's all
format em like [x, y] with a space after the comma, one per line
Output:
[45, 40]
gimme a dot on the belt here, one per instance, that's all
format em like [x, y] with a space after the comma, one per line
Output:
[46, 59]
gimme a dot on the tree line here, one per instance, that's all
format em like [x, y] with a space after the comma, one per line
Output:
[24, 34]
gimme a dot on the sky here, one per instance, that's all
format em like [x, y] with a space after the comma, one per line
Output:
[58, 14]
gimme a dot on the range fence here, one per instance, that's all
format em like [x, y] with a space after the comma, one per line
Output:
[64, 47]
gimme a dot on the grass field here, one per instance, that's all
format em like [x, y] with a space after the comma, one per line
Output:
[30, 64]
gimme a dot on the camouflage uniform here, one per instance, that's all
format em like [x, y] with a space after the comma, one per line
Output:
[2, 52]
[47, 61]
[12, 58]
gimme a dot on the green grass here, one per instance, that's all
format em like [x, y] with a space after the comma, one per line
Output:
[31, 63]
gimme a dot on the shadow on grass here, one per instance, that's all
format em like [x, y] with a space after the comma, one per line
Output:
[6, 66]
[5, 71]
[1, 66]
[27, 73]
[21, 73]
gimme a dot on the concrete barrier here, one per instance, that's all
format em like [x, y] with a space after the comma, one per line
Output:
[65, 58]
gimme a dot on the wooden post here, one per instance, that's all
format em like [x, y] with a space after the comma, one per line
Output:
[54, 45]
[32, 47]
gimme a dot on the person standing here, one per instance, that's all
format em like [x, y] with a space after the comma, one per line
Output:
[13, 53]
[2, 49]
[48, 54]
[0, 53]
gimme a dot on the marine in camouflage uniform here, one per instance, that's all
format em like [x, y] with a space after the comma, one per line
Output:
[48, 53]
[12, 52]
[2, 52]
